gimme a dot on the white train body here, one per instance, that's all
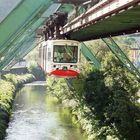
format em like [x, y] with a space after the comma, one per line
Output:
[60, 58]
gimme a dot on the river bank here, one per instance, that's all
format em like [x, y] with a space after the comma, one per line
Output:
[104, 102]
[9, 84]
[39, 116]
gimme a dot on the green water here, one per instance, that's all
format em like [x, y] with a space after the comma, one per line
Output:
[37, 116]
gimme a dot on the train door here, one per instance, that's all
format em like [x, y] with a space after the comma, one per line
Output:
[44, 57]
[49, 56]
[41, 49]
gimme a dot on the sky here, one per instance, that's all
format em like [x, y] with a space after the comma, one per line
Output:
[6, 6]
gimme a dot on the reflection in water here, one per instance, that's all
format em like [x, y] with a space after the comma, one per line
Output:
[36, 116]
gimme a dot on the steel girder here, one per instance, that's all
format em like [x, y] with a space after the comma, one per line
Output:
[90, 56]
[24, 34]
[113, 46]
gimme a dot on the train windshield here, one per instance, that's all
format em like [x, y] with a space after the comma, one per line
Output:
[65, 54]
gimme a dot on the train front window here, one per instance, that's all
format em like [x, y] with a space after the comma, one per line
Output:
[65, 54]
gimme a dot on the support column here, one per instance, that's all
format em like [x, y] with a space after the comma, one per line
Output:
[113, 46]
[90, 56]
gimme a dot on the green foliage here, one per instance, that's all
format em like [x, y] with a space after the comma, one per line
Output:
[111, 96]
[122, 110]
[18, 80]
[37, 72]
[6, 93]
[106, 100]
[58, 88]
[6, 96]
[8, 87]
[99, 46]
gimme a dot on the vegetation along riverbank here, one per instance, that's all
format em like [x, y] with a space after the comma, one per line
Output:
[104, 101]
[9, 84]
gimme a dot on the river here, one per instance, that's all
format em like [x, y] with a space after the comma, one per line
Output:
[37, 116]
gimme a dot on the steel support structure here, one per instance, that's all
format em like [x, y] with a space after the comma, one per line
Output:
[90, 56]
[20, 44]
[114, 47]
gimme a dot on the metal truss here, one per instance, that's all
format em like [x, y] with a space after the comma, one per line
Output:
[90, 56]
[114, 47]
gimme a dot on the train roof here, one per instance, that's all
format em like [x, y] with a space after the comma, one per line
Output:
[63, 40]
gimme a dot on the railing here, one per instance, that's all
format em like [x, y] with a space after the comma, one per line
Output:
[100, 11]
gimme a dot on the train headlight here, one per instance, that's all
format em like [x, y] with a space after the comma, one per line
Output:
[56, 66]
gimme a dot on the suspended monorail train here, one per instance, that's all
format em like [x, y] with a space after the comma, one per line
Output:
[60, 58]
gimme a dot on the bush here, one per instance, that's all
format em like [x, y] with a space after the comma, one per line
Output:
[111, 96]
[106, 100]
[18, 80]
[8, 87]
[121, 111]
[37, 71]
[6, 90]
